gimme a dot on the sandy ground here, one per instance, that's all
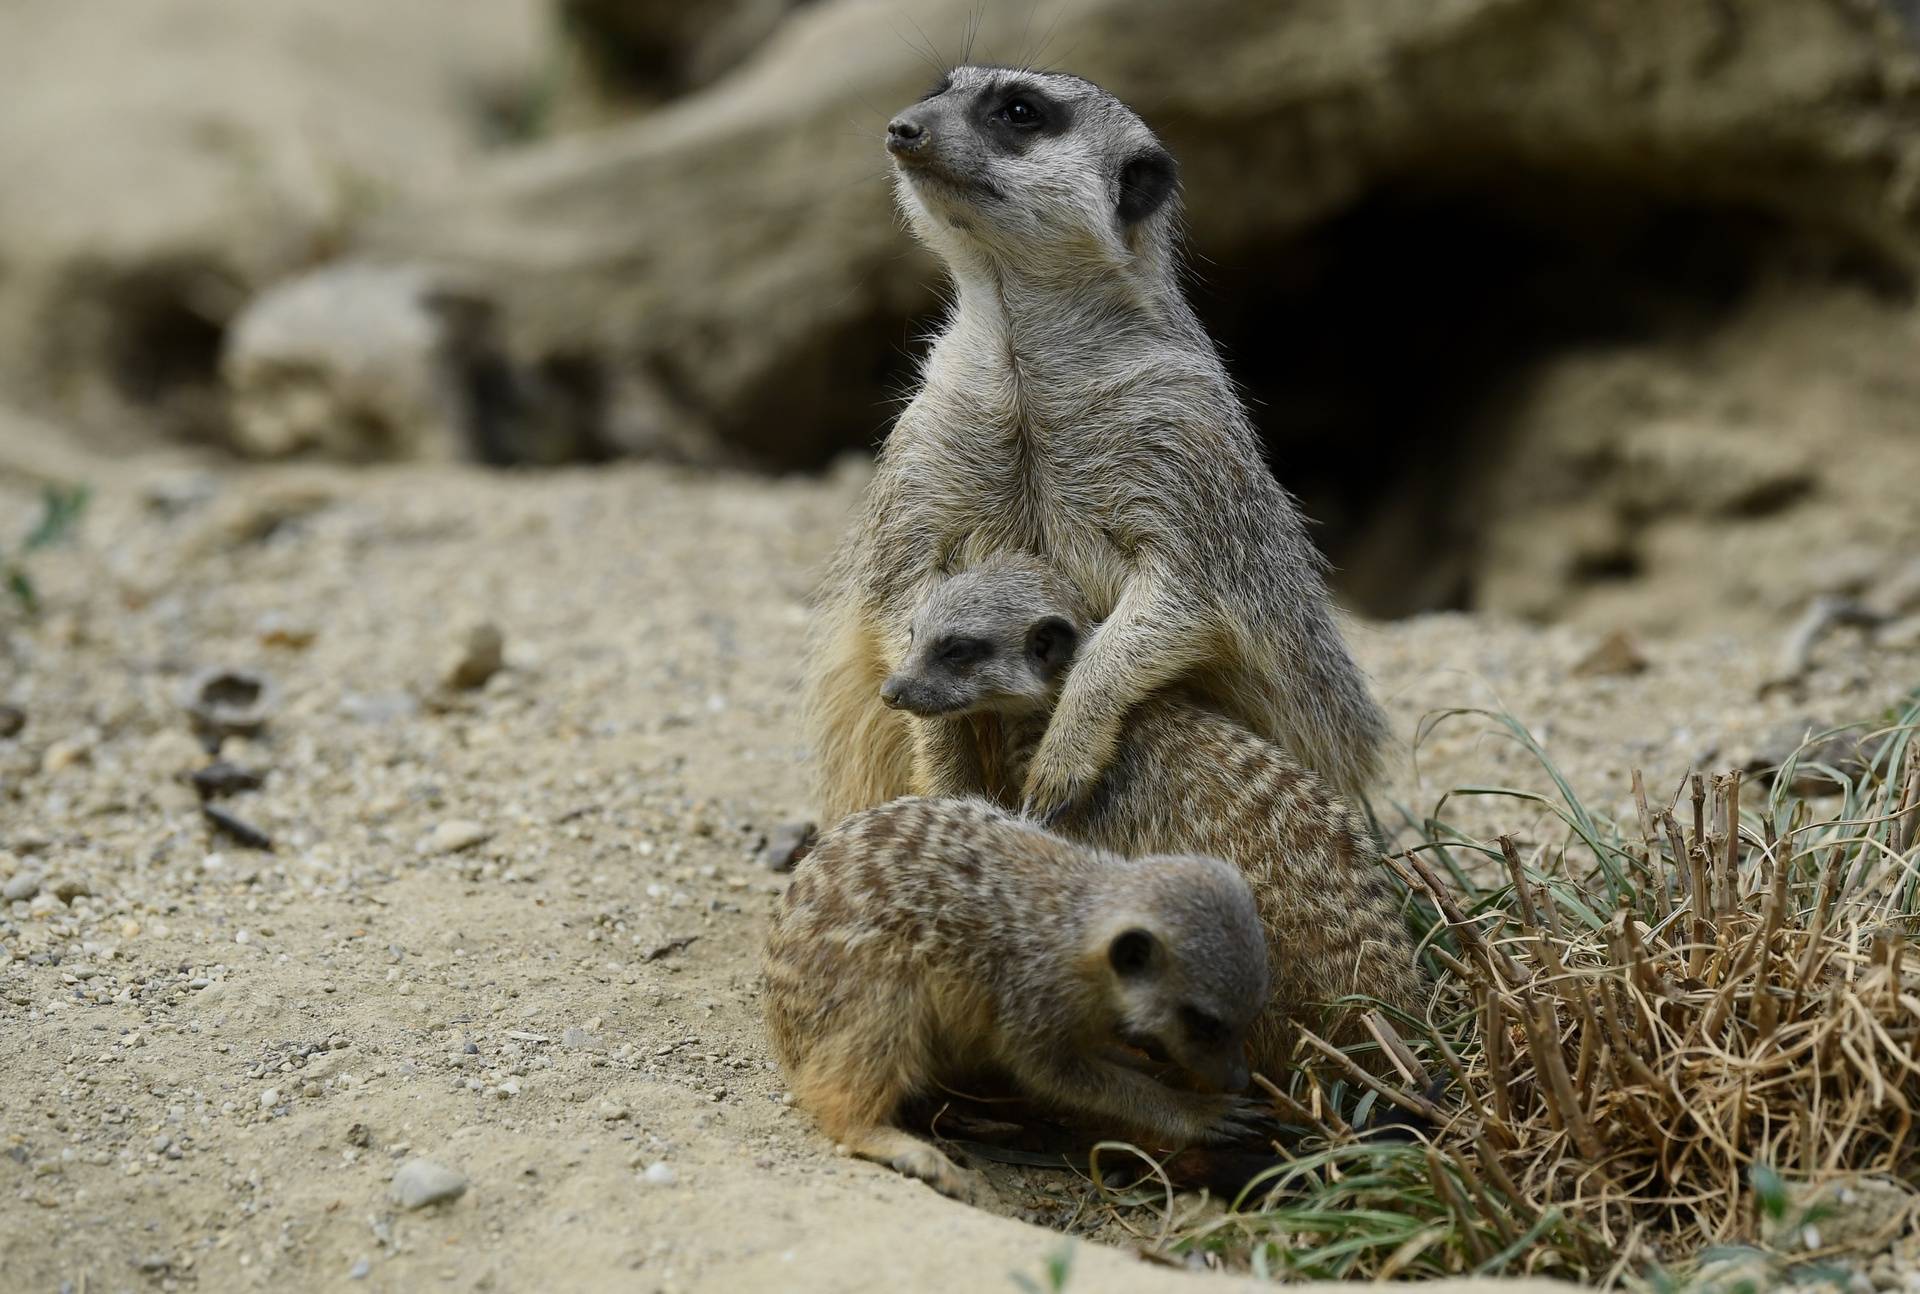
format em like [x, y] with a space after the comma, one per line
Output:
[214, 1058]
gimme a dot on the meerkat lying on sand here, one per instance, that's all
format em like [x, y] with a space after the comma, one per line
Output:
[927, 942]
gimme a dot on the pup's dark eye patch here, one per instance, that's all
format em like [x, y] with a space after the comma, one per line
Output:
[965, 651]
[1203, 1028]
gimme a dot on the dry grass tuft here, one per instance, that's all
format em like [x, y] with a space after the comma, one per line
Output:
[1651, 1040]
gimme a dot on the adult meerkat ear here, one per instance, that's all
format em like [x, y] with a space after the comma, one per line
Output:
[1147, 180]
[1131, 952]
[1052, 642]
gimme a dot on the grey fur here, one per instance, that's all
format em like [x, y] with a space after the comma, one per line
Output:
[1074, 407]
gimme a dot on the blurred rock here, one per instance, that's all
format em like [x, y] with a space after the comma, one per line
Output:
[1901, 633]
[454, 835]
[228, 702]
[786, 845]
[236, 828]
[363, 362]
[356, 362]
[12, 720]
[624, 55]
[220, 779]
[479, 660]
[737, 247]
[163, 164]
[1704, 480]
[1616, 654]
[420, 1182]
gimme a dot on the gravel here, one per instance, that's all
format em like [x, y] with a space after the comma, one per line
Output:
[624, 813]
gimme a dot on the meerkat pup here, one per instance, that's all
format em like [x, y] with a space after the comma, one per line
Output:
[993, 649]
[926, 942]
[1074, 406]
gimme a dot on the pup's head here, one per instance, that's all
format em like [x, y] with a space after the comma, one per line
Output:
[1037, 170]
[1179, 951]
[994, 639]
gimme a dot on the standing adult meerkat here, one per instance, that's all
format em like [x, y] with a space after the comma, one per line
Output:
[1073, 406]
[993, 648]
[929, 941]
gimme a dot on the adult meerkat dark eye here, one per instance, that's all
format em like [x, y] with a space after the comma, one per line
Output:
[1022, 114]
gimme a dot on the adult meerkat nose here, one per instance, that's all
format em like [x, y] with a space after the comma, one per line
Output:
[891, 691]
[906, 135]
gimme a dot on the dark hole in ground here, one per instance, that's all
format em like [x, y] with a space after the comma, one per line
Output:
[146, 337]
[230, 690]
[167, 336]
[1383, 350]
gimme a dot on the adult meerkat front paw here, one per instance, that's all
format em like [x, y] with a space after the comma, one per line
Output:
[1060, 780]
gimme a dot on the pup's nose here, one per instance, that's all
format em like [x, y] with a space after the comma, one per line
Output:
[890, 693]
[905, 135]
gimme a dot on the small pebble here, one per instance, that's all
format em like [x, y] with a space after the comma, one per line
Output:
[359, 1270]
[228, 702]
[455, 834]
[480, 660]
[21, 887]
[269, 1098]
[64, 754]
[221, 778]
[69, 888]
[236, 829]
[786, 845]
[420, 1182]
[660, 1174]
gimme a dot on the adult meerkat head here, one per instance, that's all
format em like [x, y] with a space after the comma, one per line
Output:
[996, 638]
[1037, 170]
[1177, 951]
